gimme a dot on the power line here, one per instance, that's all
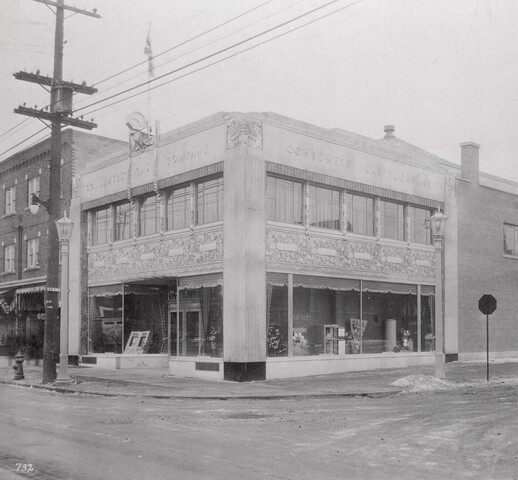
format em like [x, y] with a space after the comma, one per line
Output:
[23, 141]
[186, 41]
[158, 55]
[213, 63]
[253, 37]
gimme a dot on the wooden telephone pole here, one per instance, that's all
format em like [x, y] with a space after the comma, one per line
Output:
[61, 94]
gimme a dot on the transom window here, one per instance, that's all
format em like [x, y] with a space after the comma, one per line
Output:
[392, 220]
[9, 258]
[510, 239]
[122, 221]
[33, 252]
[360, 214]
[149, 214]
[100, 219]
[325, 207]
[284, 200]
[10, 200]
[179, 208]
[419, 233]
[209, 201]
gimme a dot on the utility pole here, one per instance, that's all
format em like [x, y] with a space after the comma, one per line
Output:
[61, 94]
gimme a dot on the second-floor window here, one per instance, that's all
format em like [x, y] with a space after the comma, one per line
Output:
[510, 239]
[360, 214]
[179, 208]
[100, 220]
[392, 220]
[325, 207]
[148, 215]
[122, 221]
[284, 200]
[9, 258]
[419, 232]
[10, 200]
[209, 201]
[33, 252]
[33, 188]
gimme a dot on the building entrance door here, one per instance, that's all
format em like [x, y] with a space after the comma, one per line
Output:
[186, 334]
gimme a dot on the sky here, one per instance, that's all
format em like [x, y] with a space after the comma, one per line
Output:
[443, 72]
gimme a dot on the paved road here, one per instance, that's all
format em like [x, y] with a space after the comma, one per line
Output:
[462, 433]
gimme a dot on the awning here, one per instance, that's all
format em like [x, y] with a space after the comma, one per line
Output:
[208, 280]
[36, 289]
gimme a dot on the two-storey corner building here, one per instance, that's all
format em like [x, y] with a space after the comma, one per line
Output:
[252, 246]
[23, 236]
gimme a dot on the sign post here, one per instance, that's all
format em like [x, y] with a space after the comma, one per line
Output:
[487, 305]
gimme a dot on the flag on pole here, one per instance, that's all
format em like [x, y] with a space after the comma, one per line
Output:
[149, 52]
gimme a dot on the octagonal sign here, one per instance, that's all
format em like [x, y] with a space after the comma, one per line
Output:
[487, 304]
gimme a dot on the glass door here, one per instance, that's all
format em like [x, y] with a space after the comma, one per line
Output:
[186, 335]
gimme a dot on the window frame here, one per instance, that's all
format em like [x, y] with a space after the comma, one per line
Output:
[11, 259]
[399, 226]
[514, 251]
[297, 210]
[201, 195]
[316, 208]
[95, 226]
[116, 213]
[32, 252]
[351, 216]
[36, 179]
[186, 207]
[10, 200]
[145, 220]
[413, 222]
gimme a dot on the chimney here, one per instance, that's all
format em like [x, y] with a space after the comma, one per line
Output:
[469, 162]
[389, 131]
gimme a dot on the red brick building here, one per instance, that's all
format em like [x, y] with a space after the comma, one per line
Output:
[23, 236]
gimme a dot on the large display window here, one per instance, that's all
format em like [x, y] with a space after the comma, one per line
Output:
[116, 311]
[332, 316]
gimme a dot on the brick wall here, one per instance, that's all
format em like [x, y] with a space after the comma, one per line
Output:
[484, 269]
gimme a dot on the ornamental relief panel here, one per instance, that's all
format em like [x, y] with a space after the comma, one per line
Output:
[306, 253]
[200, 252]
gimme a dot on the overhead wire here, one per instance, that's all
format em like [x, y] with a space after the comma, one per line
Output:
[155, 56]
[253, 37]
[210, 64]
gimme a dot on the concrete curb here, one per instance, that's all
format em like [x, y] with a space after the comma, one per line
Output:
[284, 396]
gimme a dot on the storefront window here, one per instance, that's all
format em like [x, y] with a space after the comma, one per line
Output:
[325, 207]
[341, 316]
[115, 312]
[277, 320]
[284, 200]
[196, 324]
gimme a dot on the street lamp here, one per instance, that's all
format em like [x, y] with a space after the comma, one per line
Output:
[437, 223]
[64, 226]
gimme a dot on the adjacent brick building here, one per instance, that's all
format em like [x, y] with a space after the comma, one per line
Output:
[23, 236]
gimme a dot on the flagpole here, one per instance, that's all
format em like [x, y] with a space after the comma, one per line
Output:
[149, 52]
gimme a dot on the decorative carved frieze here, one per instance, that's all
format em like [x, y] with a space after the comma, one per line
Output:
[200, 252]
[244, 132]
[312, 253]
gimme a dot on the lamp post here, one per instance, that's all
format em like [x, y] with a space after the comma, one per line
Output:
[64, 226]
[437, 222]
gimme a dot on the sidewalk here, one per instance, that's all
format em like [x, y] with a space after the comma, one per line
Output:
[159, 383]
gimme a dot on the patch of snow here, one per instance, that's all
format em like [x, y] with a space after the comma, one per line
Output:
[421, 382]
